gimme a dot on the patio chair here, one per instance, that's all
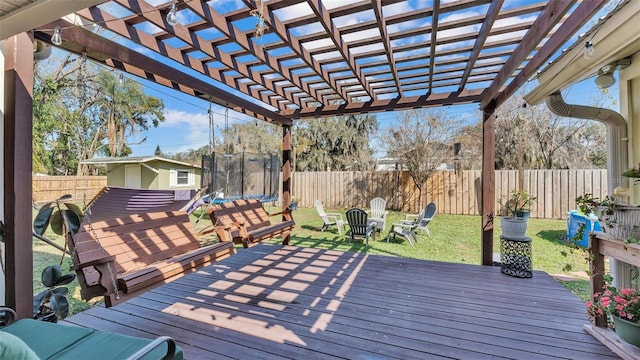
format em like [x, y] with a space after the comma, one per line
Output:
[33, 339]
[406, 230]
[378, 213]
[360, 224]
[422, 219]
[329, 218]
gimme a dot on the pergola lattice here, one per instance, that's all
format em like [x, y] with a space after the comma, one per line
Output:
[326, 58]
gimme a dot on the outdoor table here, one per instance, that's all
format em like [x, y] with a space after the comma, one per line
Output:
[515, 257]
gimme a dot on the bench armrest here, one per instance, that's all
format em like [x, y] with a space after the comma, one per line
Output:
[286, 214]
[94, 262]
[171, 348]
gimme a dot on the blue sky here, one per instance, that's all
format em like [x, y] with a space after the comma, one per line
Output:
[186, 125]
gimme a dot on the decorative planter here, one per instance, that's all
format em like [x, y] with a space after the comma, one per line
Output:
[627, 330]
[513, 228]
[622, 224]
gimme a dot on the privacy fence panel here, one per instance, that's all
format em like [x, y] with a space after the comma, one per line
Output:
[47, 188]
[454, 192]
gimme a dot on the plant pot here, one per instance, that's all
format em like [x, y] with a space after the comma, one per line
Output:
[513, 227]
[627, 330]
[622, 224]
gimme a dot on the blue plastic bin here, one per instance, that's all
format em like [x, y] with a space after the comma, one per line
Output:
[574, 219]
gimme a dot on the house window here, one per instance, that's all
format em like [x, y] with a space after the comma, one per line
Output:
[182, 177]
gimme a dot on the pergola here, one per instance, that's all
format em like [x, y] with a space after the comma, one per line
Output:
[282, 60]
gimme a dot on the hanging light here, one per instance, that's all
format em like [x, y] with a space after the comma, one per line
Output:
[56, 38]
[121, 79]
[589, 50]
[172, 16]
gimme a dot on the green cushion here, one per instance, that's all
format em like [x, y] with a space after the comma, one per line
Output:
[12, 347]
[44, 338]
[104, 346]
[57, 341]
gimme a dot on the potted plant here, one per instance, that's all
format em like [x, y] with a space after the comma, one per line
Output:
[515, 214]
[616, 219]
[622, 308]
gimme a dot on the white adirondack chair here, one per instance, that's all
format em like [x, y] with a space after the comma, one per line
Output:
[329, 219]
[378, 213]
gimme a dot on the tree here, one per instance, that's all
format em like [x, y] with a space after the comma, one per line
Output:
[81, 109]
[532, 137]
[422, 141]
[337, 143]
[126, 110]
[157, 152]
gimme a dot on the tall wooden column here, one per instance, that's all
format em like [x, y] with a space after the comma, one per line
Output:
[286, 174]
[17, 150]
[488, 181]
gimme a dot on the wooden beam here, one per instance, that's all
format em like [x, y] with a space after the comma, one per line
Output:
[197, 42]
[488, 182]
[36, 13]
[413, 102]
[384, 34]
[108, 52]
[552, 13]
[434, 41]
[286, 175]
[485, 29]
[325, 18]
[294, 43]
[17, 153]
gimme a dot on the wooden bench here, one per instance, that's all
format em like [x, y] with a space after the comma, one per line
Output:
[246, 222]
[117, 257]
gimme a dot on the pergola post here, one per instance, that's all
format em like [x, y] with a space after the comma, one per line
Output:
[488, 181]
[17, 151]
[286, 175]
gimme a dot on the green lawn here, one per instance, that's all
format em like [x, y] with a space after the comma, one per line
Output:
[454, 238]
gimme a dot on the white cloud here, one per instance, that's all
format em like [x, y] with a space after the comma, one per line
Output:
[361, 35]
[289, 12]
[157, 2]
[191, 129]
[397, 8]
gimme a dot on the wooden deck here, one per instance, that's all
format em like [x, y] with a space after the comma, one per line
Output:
[271, 302]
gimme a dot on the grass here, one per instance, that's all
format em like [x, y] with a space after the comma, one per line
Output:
[454, 238]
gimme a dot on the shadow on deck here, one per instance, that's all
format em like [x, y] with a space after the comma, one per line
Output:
[271, 302]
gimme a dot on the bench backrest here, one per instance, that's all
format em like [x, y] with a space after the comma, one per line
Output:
[249, 212]
[135, 240]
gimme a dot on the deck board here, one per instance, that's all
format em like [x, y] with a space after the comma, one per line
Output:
[270, 301]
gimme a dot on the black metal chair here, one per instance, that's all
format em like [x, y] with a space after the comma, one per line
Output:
[360, 224]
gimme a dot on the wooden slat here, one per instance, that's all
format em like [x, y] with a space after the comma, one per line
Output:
[271, 301]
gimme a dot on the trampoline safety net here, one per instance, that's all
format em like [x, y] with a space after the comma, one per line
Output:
[242, 175]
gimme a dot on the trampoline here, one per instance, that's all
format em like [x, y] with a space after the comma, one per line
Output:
[239, 176]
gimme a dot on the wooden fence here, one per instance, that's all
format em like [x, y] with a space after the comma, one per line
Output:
[454, 193]
[47, 188]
